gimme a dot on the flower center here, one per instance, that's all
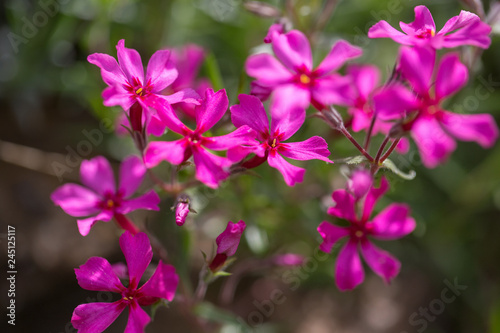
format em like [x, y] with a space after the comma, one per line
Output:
[137, 89]
[304, 79]
[111, 201]
[426, 33]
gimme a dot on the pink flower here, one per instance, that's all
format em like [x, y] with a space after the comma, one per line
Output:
[392, 223]
[359, 183]
[227, 243]
[188, 61]
[100, 197]
[293, 78]
[285, 121]
[464, 29]
[98, 274]
[210, 168]
[288, 259]
[128, 86]
[364, 81]
[433, 128]
[275, 29]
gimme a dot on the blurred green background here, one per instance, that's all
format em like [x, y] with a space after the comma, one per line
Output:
[50, 96]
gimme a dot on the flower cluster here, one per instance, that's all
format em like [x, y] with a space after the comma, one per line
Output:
[196, 133]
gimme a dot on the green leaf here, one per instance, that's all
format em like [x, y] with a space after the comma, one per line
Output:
[351, 160]
[388, 164]
[222, 273]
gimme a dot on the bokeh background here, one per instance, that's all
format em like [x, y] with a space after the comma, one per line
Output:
[50, 98]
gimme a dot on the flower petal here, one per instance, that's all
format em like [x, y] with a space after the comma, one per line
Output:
[374, 194]
[167, 114]
[243, 135]
[417, 65]
[364, 78]
[132, 171]
[341, 52]
[211, 109]
[481, 128]
[250, 112]
[138, 254]
[332, 89]
[76, 200]
[310, 149]
[98, 175]
[116, 95]
[84, 225]
[344, 206]
[171, 151]
[394, 102]
[267, 70]
[229, 239]
[348, 270]
[330, 234]
[130, 62]
[137, 319]
[452, 76]
[98, 274]
[360, 182]
[287, 108]
[393, 222]
[291, 173]
[148, 201]
[96, 317]
[382, 29]
[433, 143]
[293, 49]
[161, 71]
[186, 95]
[423, 22]
[110, 70]
[380, 261]
[162, 284]
[470, 30]
[187, 60]
[210, 168]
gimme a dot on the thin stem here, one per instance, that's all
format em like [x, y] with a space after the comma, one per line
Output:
[126, 224]
[348, 135]
[390, 150]
[381, 149]
[369, 134]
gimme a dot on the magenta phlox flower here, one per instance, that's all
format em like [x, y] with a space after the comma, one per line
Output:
[464, 29]
[275, 29]
[188, 60]
[127, 84]
[210, 169]
[392, 223]
[364, 83]
[99, 197]
[269, 144]
[433, 128]
[227, 243]
[290, 75]
[98, 274]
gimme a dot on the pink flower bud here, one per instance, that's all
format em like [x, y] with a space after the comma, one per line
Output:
[181, 210]
[227, 243]
[360, 183]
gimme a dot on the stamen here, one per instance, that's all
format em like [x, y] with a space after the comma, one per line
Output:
[358, 234]
[139, 91]
[274, 144]
[110, 203]
[304, 79]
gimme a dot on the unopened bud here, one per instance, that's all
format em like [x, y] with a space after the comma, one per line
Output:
[333, 118]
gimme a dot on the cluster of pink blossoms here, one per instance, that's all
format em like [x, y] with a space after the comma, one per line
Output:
[170, 97]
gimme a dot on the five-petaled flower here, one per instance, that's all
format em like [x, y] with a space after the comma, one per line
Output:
[292, 77]
[127, 84]
[392, 223]
[100, 196]
[210, 169]
[98, 274]
[269, 144]
[432, 127]
[464, 29]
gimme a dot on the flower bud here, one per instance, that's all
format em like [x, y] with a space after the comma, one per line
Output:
[182, 209]
[227, 243]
